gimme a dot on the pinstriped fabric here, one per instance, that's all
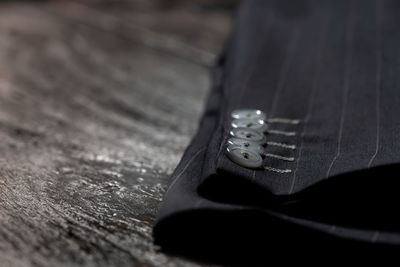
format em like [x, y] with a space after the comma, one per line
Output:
[379, 15]
[293, 75]
[178, 176]
[314, 86]
[245, 67]
[328, 75]
[285, 68]
[390, 82]
[346, 85]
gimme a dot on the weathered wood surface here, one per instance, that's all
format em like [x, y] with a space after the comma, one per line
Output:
[98, 100]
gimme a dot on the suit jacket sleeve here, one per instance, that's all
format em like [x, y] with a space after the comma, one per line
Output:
[326, 73]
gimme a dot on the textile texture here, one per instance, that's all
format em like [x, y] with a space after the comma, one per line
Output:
[335, 67]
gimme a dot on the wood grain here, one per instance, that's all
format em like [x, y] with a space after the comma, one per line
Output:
[98, 100]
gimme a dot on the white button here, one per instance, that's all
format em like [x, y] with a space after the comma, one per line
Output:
[254, 114]
[257, 125]
[247, 144]
[244, 157]
[248, 134]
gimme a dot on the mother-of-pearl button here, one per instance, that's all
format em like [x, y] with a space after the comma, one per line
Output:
[247, 144]
[244, 157]
[248, 134]
[258, 125]
[254, 114]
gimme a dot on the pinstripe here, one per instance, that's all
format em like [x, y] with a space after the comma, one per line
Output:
[317, 70]
[184, 169]
[268, 25]
[346, 87]
[362, 117]
[285, 69]
[282, 76]
[257, 51]
[253, 177]
[379, 15]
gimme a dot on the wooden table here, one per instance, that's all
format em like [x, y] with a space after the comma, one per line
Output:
[98, 100]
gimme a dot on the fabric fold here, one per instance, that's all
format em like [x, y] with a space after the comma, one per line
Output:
[326, 75]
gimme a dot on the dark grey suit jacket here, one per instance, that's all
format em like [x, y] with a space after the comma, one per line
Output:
[335, 67]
